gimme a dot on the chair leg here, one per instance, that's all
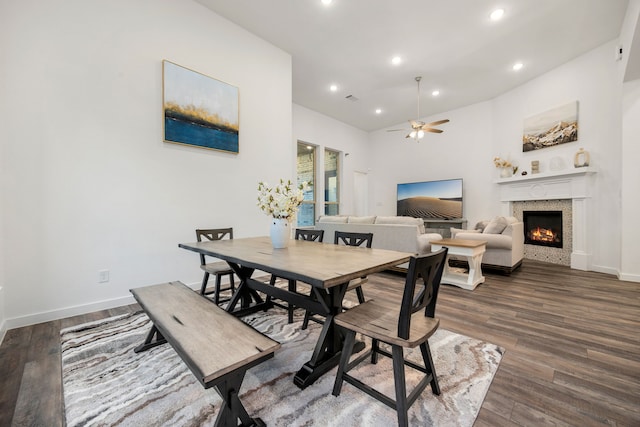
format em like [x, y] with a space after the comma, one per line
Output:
[431, 369]
[375, 344]
[291, 307]
[205, 280]
[347, 349]
[402, 406]
[360, 294]
[216, 297]
[305, 322]
[232, 284]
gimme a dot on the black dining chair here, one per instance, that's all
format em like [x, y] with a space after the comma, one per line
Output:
[300, 234]
[349, 239]
[219, 268]
[407, 325]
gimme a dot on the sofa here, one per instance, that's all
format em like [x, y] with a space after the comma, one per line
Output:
[398, 233]
[505, 242]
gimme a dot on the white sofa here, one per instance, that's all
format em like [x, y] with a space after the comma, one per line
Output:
[505, 242]
[399, 233]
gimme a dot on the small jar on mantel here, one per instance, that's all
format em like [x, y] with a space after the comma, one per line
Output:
[581, 159]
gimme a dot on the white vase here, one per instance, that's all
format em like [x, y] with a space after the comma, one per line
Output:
[506, 172]
[280, 232]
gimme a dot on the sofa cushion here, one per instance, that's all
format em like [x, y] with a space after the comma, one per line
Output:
[496, 225]
[455, 231]
[402, 220]
[361, 219]
[338, 219]
[481, 225]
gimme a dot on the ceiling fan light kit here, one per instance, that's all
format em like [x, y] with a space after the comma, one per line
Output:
[418, 128]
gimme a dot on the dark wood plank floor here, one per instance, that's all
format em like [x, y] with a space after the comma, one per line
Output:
[572, 343]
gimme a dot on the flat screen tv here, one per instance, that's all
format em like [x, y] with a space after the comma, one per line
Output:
[431, 199]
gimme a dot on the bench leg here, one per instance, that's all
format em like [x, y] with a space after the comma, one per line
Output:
[154, 339]
[232, 408]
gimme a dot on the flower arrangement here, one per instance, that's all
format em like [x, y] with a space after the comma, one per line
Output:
[504, 164]
[281, 201]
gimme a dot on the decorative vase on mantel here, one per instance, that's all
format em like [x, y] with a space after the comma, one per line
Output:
[506, 172]
[280, 232]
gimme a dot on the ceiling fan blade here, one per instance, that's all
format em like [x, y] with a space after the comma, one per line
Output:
[439, 122]
[394, 130]
[434, 130]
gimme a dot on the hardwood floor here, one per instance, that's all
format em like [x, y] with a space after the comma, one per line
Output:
[572, 342]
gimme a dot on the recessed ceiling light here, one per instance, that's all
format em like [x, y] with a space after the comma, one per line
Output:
[333, 88]
[518, 66]
[326, 2]
[396, 60]
[497, 14]
[435, 93]
[378, 111]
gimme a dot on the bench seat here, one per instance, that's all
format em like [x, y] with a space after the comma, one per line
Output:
[217, 346]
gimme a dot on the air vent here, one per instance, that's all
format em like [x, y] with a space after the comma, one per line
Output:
[351, 98]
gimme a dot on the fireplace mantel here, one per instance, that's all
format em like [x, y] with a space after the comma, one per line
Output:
[574, 184]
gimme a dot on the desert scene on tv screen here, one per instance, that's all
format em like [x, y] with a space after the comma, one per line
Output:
[431, 199]
[430, 207]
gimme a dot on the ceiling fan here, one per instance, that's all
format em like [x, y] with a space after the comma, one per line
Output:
[418, 128]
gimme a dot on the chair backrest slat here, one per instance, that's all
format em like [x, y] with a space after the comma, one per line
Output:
[353, 239]
[212, 234]
[421, 288]
[310, 235]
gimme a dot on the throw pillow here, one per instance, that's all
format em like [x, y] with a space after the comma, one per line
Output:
[361, 219]
[481, 225]
[496, 225]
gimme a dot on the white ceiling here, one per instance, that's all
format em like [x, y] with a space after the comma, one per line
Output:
[452, 44]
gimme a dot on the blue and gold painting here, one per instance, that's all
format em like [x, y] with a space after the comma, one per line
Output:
[199, 110]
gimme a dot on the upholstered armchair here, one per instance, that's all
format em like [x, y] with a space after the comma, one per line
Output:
[505, 242]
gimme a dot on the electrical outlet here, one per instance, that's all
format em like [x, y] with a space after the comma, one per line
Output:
[103, 276]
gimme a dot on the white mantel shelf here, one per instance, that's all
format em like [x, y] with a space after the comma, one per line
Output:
[575, 184]
[566, 173]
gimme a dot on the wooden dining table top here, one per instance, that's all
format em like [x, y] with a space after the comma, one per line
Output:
[318, 264]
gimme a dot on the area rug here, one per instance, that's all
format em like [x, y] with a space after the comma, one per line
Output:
[106, 384]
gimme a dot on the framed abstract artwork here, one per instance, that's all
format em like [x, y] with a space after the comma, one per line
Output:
[556, 126]
[199, 110]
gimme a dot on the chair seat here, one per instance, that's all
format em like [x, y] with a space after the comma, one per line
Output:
[379, 320]
[217, 268]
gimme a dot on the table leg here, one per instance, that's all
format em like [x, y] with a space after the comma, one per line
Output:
[328, 349]
[250, 300]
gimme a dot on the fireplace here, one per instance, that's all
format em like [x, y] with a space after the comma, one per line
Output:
[543, 228]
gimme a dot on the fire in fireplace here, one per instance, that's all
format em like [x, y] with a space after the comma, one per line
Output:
[543, 228]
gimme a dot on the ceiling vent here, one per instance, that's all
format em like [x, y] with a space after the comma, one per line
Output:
[351, 98]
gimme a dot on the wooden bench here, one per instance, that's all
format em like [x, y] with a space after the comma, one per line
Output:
[215, 345]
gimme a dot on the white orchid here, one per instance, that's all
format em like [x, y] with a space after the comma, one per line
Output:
[281, 201]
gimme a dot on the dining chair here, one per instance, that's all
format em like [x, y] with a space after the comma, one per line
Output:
[407, 325]
[219, 269]
[300, 234]
[349, 239]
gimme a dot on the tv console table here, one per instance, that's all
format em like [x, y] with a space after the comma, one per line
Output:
[442, 226]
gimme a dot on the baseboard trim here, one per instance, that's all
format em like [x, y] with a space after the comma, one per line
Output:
[48, 316]
[629, 277]
[3, 331]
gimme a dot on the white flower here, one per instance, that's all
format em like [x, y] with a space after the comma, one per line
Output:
[281, 201]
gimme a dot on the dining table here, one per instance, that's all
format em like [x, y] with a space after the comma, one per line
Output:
[327, 268]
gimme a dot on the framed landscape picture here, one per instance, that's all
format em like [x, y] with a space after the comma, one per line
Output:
[556, 126]
[199, 110]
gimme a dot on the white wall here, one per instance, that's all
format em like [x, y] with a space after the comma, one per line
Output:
[325, 132]
[631, 182]
[478, 133]
[462, 151]
[88, 183]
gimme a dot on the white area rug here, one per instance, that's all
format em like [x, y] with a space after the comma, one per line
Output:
[107, 384]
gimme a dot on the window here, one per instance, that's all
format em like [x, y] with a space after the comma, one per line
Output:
[306, 161]
[331, 182]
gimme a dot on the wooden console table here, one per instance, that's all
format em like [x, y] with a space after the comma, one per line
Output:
[472, 250]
